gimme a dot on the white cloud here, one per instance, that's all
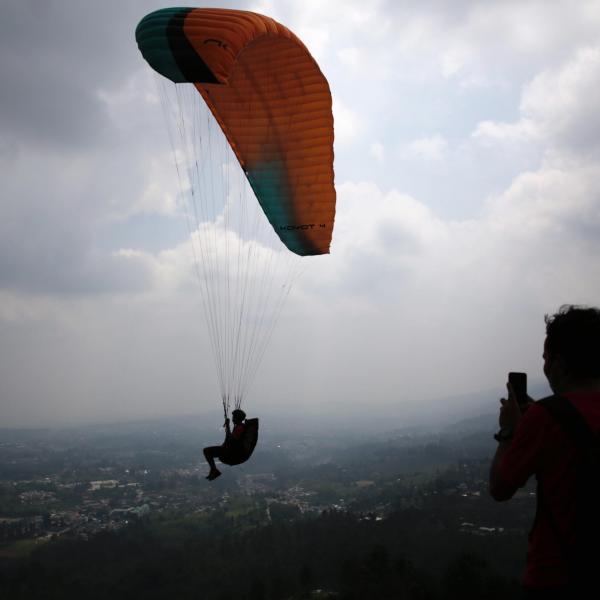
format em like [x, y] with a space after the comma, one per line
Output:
[155, 199]
[558, 107]
[445, 302]
[347, 123]
[564, 102]
[377, 151]
[428, 148]
[351, 57]
[490, 132]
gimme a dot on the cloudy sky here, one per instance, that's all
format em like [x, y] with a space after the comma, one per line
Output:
[467, 168]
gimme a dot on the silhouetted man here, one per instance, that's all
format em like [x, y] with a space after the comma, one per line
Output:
[230, 448]
[538, 440]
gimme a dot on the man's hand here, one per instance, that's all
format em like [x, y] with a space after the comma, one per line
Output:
[530, 402]
[510, 415]
[510, 411]
[226, 424]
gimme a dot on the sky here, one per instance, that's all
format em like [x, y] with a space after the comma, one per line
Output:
[467, 157]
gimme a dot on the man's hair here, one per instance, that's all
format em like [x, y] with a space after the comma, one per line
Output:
[240, 412]
[574, 333]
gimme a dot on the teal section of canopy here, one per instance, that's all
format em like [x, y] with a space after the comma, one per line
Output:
[152, 37]
[270, 185]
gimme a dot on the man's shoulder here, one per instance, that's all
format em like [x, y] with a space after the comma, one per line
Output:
[537, 412]
[578, 414]
[586, 404]
[537, 426]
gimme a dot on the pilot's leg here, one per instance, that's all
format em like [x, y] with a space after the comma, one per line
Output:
[210, 453]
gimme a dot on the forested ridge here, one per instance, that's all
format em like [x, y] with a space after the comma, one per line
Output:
[410, 554]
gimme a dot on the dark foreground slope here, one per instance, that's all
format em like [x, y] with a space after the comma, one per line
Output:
[410, 554]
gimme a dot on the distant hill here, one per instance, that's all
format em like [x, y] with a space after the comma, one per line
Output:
[471, 411]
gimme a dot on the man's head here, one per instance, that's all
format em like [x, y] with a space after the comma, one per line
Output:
[572, 347]
[238, 415]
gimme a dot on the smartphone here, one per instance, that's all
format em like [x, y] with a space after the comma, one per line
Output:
[518, 381]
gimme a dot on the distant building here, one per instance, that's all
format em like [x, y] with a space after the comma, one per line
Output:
[363, 483]
[104, 483]
[127, 514]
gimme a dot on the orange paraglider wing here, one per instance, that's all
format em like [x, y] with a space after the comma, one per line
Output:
[272, 103]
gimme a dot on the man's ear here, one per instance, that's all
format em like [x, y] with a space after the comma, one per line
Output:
[560, 365]
[557, 370]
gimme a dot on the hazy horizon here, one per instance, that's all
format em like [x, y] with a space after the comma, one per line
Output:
[440, 412]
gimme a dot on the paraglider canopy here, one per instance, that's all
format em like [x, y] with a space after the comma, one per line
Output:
[270, 99]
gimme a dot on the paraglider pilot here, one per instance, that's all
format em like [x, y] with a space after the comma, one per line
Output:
[231, 447]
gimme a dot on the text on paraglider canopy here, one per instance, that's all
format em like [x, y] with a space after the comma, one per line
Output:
[303, 227]
[218, 43]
